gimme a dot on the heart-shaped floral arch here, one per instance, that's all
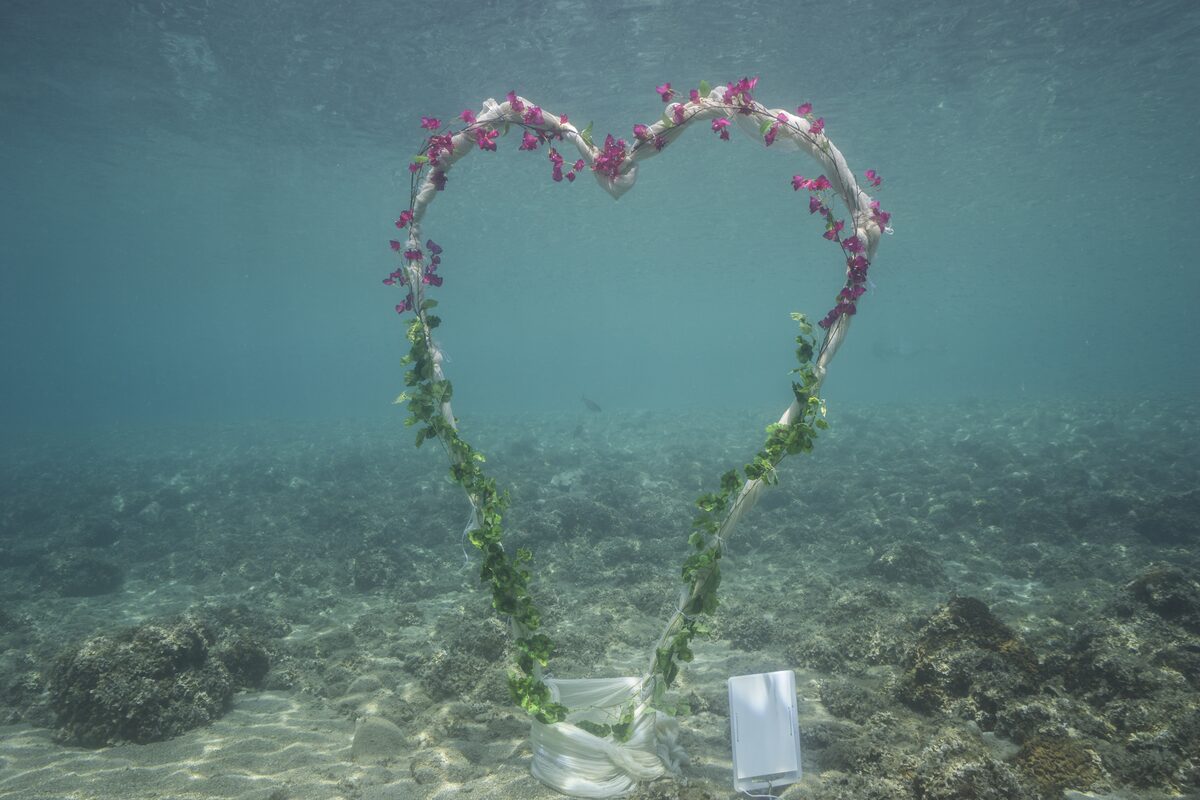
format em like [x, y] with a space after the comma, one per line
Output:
[597, 738]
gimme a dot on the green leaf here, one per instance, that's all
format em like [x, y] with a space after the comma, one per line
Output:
[704, 88]
[586, 135]
[765, 126]
[420, 159]
[594, 728]
[428, 304]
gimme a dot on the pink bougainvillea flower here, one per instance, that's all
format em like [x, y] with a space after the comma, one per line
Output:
[533, 116]
[578, 165]
[814, 205]
[804, 110]
[433, 247]
[660, 142]
[811, 184]
[405, 218]
[833, 230]
[873, 177]
[439, 145]
[394, 245]
[677, 113]
[486, 139]
[817, 127]
[880, 216]
[739, 93]
[608, 163]
[406, 305]
[515, 102]
[438, 178]
[468, 116]
[694, 95]
[431, 278]
[528, 142]
[556, 164]
[642, 132]
[413, 255]
[665, 92]
[721, 126]
[414, 167]
[431, 123]
[853, 244]
[857, 267]
[769, 136]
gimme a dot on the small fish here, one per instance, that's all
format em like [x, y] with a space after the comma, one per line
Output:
[590, 404]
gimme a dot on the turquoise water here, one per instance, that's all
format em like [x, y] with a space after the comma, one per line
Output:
[985, 576]
[198, 198]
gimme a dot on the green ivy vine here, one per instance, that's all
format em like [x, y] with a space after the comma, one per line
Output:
[701, 571]
[508, 576]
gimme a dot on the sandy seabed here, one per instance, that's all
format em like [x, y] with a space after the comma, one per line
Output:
[978, 600]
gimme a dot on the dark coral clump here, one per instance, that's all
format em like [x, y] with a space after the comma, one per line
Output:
[1171, 592]
[1055, 763]
[151, 682]
[952, 768]
[965, 661]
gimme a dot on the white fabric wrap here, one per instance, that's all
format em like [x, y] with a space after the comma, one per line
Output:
[580, 764]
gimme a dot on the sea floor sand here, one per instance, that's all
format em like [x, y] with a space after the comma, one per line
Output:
[1067, 663]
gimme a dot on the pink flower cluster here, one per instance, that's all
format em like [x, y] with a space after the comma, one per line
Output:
[738, 93]
[415, 262]
[608, 163]
[852, 246]
[486, 139]
[642, 134]
[556, 168]
[769, 136]
[815, 126]
[880, 217]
